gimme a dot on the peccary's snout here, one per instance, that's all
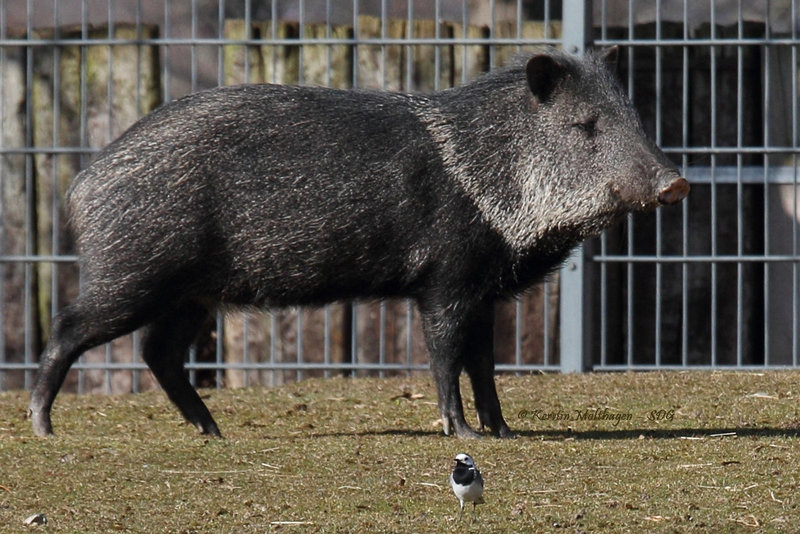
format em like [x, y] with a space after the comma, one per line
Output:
[674, 192]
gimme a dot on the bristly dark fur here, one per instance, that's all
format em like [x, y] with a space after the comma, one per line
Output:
[266, 195]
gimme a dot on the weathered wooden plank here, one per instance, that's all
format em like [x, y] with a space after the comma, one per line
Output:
[13, 207]
[469, 61]
[82, 97]
[380, 66]
[243, 63]
[327, 65]
[529, 30]
[281, 62]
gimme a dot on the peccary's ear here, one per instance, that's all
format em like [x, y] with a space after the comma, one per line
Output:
[544, 73]
[610, 56]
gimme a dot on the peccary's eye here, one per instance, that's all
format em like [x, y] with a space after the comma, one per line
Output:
[587, 127]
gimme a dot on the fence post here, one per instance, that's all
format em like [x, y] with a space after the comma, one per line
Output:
[576, 35]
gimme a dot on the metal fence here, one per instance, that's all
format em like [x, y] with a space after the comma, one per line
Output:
[713, 283]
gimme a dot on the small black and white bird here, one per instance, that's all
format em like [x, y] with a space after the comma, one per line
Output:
[467, 482]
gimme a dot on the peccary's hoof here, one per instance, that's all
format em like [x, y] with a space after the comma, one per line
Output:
[506, 433]
[209, 430]
[467, 433]
[41, 423]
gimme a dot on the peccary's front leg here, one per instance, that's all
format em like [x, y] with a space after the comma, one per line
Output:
[449, 328]
[479, 364]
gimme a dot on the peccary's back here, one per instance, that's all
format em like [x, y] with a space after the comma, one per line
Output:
[262, 186]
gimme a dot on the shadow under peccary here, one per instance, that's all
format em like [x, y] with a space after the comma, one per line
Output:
[649, 433]
[608, 434]
[275, 196]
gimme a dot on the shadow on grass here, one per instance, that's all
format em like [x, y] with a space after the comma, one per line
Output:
[626, 434]
[673, 433]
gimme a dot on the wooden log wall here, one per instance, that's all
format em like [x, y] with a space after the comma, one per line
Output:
[78, 96]
[85, 96]
[273, 336]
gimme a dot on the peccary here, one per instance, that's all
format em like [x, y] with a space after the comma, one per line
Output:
[266, 195]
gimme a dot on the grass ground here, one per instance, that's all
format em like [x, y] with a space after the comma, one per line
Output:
[655, 452]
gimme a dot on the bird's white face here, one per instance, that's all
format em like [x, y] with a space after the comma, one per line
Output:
[465, 459]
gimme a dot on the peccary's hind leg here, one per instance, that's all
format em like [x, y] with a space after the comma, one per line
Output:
[164, 348]
[76, 329]
[479, 365]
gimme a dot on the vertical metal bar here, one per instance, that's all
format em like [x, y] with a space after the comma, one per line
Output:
[248, 34]
[193, 48]
[739, 189]
[603, 302]
[546, 357]
[300, 354]
[437, 52]
[713, 126]
[56, 141]
[219, 347]
[355, 49]
[765, 126]
[492, 34]
[273, 335]
[110, 66]
[518, 332]
[301, 8]
[326, 342]
[464, 55]
[328, 52]
[245, 318]
[299, 375]
[603, 20]
[547, 19]
[3, 203]
[383, 46]
[795, 214]
[165, 78]
[409, 333]
[109, 136]
[659, 218]
[354, 338]
[221, 47]
[410, 49]
[571, 310]
[274, 28]
[685, 205]
[382, 338]
[192, 353]
[354, 306]
[84, 119]
[603, 238]
[576, 36]
[107, 371]
[136, 349]
[139, 38]
[629, 268]
[55, 213]
[30, 201]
